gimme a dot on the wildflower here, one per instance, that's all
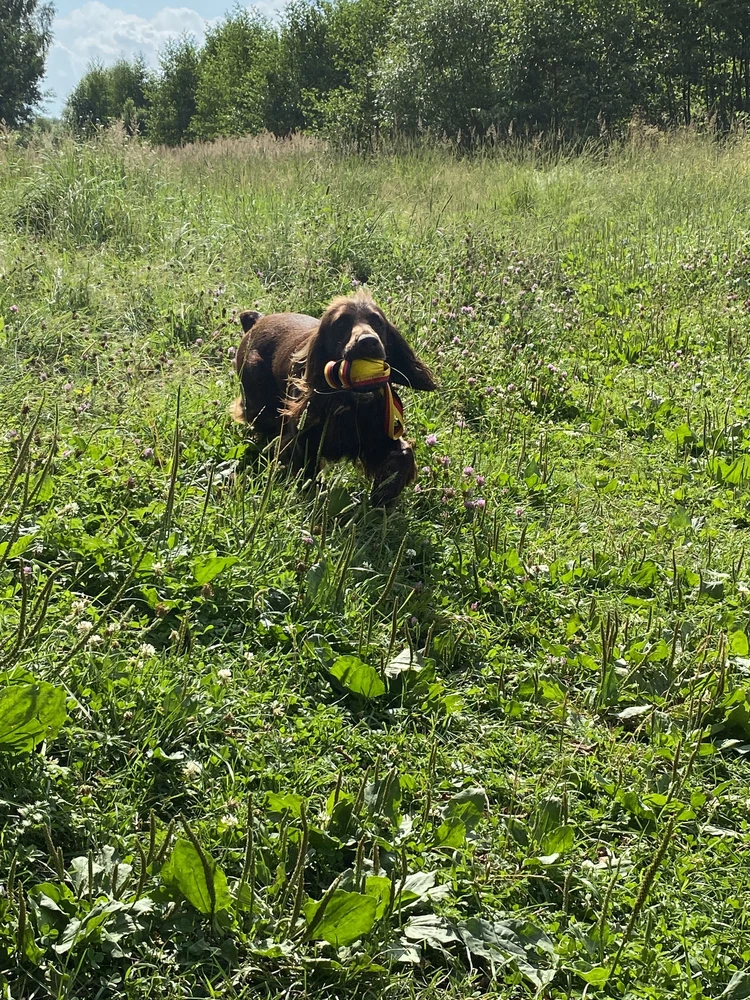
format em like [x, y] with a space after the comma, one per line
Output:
[94, 640]
[411, 553]
[157, 568]
[417, 488]
[28, 570]
[68, 387]
[224, 675]
[84, 627]
[426, 470]
[474, 606]
[229, 820]
[231, 351]
[147, 649]
[469, 504]
[519, 512]
[468, 470]
[445, 461]
[480, 480]
[14, 309]
[471, 380]
[191, 770]
[307, 538]
[78, 607]
[147, 453]
[431, 440]
[456, 340]
[69, 510]
[480, 503]
[249, 657]
[199, 342]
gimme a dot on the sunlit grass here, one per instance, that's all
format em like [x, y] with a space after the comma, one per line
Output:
[570, 568]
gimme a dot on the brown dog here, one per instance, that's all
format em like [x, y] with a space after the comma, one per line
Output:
[325, 387]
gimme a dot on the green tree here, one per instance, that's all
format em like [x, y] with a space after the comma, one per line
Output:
[440, 70]
[357, 32]
[25, 35]
[232, 89]
[106, 94]
[304, 68]
[171, 94]
[575, 66]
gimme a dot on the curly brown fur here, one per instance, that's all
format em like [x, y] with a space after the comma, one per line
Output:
[281, 361]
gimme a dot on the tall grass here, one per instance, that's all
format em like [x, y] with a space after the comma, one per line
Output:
[569, 572]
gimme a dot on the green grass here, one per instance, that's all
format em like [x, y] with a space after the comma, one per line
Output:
[569, 765]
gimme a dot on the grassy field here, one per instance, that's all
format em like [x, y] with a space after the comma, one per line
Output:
[258, 743]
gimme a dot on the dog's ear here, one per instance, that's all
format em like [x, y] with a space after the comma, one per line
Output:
[249, 318]
[318, 355]
[406, 367]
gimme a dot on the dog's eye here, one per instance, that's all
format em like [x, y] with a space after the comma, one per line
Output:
[375, 321]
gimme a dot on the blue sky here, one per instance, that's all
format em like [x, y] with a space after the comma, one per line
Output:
[92, 29]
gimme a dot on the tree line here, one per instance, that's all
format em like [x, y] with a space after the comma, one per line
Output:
[355, 69]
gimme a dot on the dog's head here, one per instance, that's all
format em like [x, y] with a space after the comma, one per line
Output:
[353, 328]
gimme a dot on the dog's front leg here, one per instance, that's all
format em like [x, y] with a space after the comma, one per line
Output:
[393, 474]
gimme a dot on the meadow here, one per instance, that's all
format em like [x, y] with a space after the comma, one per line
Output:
[256, 742]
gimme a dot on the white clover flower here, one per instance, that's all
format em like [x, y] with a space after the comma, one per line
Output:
[191, 769]
[69, 510]
[84, 627]
[228, 820]
[224, 675]
[79, 606]
[147, 649]
[94, 640]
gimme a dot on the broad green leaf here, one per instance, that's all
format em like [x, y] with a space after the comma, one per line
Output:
[509, 940]
[383, 797]
[549, 816]
[29, 714]
[450, 834]
[357, 677]
[403, 662]
[418, 884]
[379, 888]
[205, 570]
[184, 871]
[738, 644]
[738, 987]
[348, 916]
[435, 931]
[17, 548]
[633, 712]
[290, 802]
[45, 490]
[469, 806]
[558, 840]
[597, 976]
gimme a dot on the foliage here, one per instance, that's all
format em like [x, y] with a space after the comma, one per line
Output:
[440, 70]
[231, 94]
[108, 94]
[172, 94]
[262, 741]
[25, 36]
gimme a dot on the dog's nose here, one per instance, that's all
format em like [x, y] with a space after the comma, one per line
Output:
[370, 345]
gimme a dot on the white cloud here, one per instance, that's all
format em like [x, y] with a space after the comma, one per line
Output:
[96, 31]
